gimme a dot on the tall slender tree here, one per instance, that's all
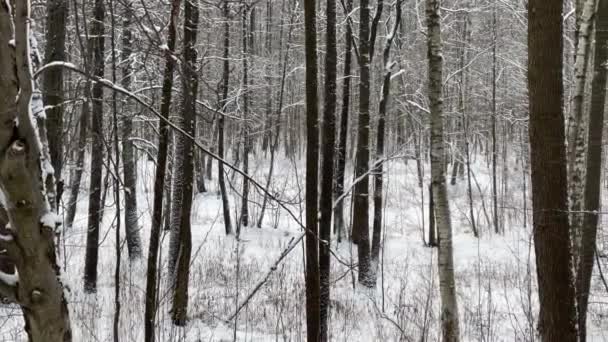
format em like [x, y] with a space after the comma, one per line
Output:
[159, 178]
[577, 129]
[339, 225]
[128, 154]
[246, 142]
[382, 108]
[190, 86]
[312, 170]
[52, 85]
[95, 204]
[593, 177]
[557, 317]
[327, 165]
[447, 285]
[222, 120]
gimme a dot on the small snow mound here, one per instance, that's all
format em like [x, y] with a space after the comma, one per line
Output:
[50, 220]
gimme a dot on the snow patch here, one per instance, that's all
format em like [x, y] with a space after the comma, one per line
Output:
[9, 279]
[50, 219]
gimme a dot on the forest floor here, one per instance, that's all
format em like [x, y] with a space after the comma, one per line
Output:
[495, 274]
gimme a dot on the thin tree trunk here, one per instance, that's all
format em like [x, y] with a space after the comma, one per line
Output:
[247, 37]
[378, 174]
[95, 204]
[128, 153]
[557, 317]
[327, 166]
[83, 127]
[190, 86]
[159, 179]
[52, 86]
[275, 142]
[594, 169]
[116, 168]
[339, 225]
[576, 135]
[360, 234]
[432, 229]
[494, 119]
[447, 285]
[221, 122]
[312, 169]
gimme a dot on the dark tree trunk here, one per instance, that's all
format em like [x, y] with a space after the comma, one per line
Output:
[128, 153]
[247, 38]
[52, 86]
[95, 204]
[432, 232]
[378, 172]
[221, 122]
[327, 165]
[557, 317]
[312, 170]
[82, 128]
[190, 86]
[360, 234]
[339, 225]
[159, 179]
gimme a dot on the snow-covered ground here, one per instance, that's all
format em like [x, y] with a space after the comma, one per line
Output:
[495, 274]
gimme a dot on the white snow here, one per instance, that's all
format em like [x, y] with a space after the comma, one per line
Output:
[51, 220]
[9, 279]
[495, 274]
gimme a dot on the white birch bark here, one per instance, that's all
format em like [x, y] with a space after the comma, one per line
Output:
[447, 284]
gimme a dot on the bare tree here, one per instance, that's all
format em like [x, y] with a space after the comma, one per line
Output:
[128, 154]
[312, 170]
[447, 285]
[327, 166]
[378, 172]
[159, 179]
[593, 177]
[221, 120]
[31, 221]
[190, 86]
[557, 317]
[339, 225]
[52, 85]
[95, 198]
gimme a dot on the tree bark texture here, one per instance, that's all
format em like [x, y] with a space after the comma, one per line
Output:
[557, 317]
[447, 285]
[593, 184]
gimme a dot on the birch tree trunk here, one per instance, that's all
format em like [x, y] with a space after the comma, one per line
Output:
[447, 285]
[587, 250]
[557, 317]
[576, 135]
[31, 222]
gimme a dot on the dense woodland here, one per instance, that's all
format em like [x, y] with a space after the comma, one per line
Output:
[258, 170]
